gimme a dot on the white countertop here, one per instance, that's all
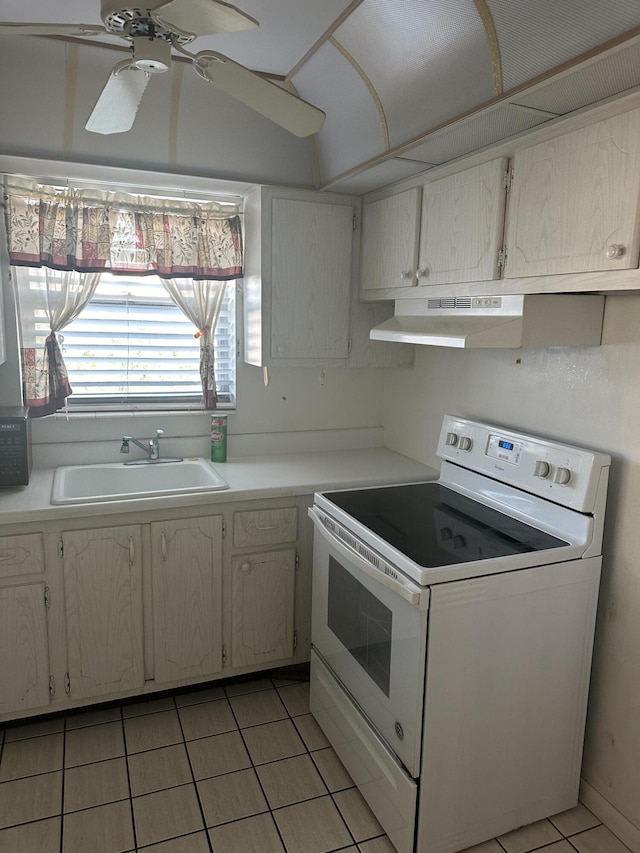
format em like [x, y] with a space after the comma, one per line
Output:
[249, 478]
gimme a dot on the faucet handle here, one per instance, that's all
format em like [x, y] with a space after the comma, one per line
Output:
[125, 445]
[159, 433]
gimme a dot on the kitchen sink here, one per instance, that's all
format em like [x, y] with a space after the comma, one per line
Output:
[117, 481]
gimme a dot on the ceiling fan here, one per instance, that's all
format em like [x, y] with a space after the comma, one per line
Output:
[156, 28]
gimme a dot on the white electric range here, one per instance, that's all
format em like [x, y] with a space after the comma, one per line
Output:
[452, 633]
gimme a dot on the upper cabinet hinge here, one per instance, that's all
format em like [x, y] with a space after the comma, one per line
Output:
[47, 597]
[224, 528]
[67, 683]
[355, 221]
[224, 655]
[52, 686]
[502, 258]
[60, 547]
[508, 179]
[349, 346]
[295, 639]
[297, 565]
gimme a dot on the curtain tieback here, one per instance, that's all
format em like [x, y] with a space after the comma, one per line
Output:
[202, 332]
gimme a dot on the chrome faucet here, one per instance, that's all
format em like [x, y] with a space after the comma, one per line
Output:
[152, 447]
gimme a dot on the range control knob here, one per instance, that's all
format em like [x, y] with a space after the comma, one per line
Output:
[562, 476]
[542, 469]
[465, 443]
[452, 439]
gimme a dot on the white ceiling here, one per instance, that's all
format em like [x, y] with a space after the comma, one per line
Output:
[407, 84]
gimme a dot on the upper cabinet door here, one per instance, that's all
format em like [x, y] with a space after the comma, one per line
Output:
[574, 201]
[310, 279]
[390, 229]
[462, 225]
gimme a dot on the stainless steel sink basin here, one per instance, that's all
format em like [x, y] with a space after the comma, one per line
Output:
[117, 482]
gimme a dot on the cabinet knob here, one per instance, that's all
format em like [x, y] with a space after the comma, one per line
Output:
[615, 251]
[245, 568]
[423, 273]
[405, 276]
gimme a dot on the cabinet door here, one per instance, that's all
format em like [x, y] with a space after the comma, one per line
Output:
[24, 661]
[310, 279]
[574, 201]
[187, 597]
[390, 241]
[103, 600]
[262, 605]
[461, 225]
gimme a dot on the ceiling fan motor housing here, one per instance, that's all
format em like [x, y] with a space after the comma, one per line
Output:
[132, 21]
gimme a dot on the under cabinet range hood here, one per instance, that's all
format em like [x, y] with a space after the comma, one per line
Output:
[532, 320]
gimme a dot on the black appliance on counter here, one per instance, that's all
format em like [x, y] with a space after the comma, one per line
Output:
[15, 446]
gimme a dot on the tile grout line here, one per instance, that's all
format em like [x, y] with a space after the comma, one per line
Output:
[62, 785]
[253, 765]
[193, 778]
[126, 763]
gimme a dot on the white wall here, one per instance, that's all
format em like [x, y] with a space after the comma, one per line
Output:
[590, 397]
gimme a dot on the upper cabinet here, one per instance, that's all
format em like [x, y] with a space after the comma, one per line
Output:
[449, 230]
[298, 273]
[574, 202]
[558, 210]
[390, 241]
[461, 226]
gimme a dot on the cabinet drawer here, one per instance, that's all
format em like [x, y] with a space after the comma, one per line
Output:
[21, 555]
[265, 527]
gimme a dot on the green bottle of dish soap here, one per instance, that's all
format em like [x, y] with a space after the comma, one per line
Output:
[218, 438]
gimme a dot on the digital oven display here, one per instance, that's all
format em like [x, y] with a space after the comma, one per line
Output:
[504, 450]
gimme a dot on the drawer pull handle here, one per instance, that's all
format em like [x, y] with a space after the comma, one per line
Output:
[132, 553]
[264, 527]
[245, 568]
[163, 547]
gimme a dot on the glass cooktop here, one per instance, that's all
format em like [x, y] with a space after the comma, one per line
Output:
[435, 526]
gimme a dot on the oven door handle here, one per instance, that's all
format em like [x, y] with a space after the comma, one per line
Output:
[416, 595]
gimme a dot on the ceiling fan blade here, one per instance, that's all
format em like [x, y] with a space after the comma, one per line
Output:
[201, 17]
[295, 115]
[8, 28]
[116, 108]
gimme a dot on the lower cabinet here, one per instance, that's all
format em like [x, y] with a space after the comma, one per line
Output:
[106, 612]
[24, 647]
[103, 608]
[24, 662]
[186, 579]
[262, 607]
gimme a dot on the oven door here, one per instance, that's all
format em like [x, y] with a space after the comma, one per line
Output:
[369, 625]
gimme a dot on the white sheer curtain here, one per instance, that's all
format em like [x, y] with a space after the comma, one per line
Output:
[47, 301]
[201, 301]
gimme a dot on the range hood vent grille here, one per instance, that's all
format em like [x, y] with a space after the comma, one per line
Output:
[492, 322]
[449, 302]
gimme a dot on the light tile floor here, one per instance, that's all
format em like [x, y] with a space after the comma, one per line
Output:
[241, 767]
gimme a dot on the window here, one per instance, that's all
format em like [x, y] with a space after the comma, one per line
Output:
[132, 346]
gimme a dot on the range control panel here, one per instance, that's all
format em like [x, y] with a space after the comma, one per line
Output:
[567, 475]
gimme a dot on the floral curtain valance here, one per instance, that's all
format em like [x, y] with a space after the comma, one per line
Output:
[70, 229]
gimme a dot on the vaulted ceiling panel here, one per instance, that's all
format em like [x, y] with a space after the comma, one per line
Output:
[600, 78]
[477, 132]
[427, 61]
[354, 129]
[33, 106]
[536, 36]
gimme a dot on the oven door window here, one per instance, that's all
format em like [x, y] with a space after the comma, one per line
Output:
[362, 624]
